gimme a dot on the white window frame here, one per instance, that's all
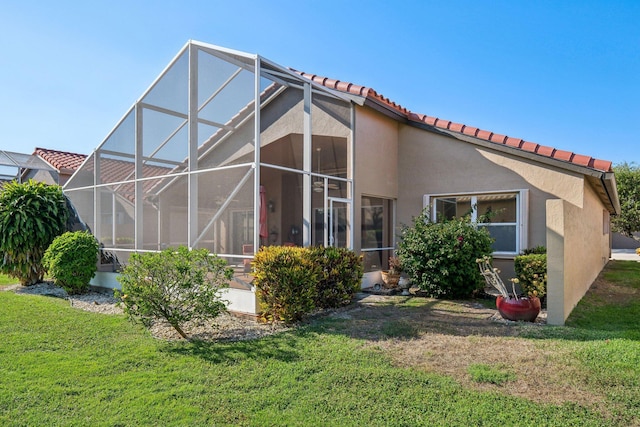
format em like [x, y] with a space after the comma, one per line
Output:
[522, 213]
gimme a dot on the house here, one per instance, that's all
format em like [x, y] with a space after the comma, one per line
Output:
[61, 164]
[220, 134]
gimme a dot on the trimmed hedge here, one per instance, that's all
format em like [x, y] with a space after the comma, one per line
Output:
[339, 276]
[531, 271]
[71, 260]
[292, 281]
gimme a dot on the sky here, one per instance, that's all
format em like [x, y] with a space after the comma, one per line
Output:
[559, 73]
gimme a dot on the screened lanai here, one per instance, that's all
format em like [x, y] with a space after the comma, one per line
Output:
[182, 168]
[13, 165]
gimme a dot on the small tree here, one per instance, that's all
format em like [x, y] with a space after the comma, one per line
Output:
[32, 214]
[71, 260]
[176, 285]
[440, 257]
[628, 184]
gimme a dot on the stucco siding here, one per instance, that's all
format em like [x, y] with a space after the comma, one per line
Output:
[577, 250]
[436, 164]
[376, 151]
[376, 159]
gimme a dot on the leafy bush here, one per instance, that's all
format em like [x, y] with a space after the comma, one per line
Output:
[440, 257]
[176, 285]
[71, 260]
[32, 214]
[293, 281]
[339, 276]
[285, 281]
[531, 272]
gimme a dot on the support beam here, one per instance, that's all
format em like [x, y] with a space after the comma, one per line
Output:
[192, 197]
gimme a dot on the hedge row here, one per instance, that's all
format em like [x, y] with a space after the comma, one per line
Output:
[293, 281]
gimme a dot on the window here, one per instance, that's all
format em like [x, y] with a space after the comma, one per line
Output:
[503, 214]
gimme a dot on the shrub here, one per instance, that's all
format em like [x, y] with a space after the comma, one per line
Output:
[531, 272]
[32, 214]
[440, 257]
[176, 285]
[285, 281]
[71, 260]
[536, 250]
[339, 275]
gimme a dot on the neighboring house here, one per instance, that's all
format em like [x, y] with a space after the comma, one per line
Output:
[221, 133]
[61, 166]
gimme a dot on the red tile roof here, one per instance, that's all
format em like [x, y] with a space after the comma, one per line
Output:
[532, 147]
[61, 160]
[112, 170]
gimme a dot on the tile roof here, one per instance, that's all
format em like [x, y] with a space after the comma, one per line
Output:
[61, 160]
[112, 170]
[531, 147]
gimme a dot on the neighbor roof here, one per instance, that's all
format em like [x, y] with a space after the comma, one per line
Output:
[532, 147]
[61, 160]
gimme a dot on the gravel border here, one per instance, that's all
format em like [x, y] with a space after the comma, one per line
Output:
[226, 327]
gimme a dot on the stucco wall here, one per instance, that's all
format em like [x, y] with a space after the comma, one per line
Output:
[376, 159]
[435, 164]
[577, 250]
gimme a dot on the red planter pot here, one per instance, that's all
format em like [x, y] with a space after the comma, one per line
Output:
[526, 309]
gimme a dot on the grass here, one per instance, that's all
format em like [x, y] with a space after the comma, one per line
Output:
[6, 280]
[62, 366]
[483, 373]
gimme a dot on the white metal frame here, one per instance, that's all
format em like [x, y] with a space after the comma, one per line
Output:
[262, 68]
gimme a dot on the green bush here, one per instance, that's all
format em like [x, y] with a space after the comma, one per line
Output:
[440, 257]
[32, 214]
[292, 281]
[531, 272]
[339, 276]
[176, 285]
[285, 281]
[536, 250]
[71, 260]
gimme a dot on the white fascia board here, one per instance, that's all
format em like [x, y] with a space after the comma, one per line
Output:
[287, 72]
[250, 56]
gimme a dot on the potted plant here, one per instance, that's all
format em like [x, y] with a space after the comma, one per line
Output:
[391, 277]
[510, 305]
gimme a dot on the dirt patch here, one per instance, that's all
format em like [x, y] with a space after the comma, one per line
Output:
[446, 337]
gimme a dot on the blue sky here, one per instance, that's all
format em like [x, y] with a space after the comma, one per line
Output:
[560, 73]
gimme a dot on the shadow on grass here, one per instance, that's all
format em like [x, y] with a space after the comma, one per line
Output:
[280, 347]
[376, 318]
[609, 310]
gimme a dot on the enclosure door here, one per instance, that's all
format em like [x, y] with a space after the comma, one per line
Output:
[242, 231]
[332, 225]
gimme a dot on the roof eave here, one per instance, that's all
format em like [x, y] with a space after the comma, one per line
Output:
[606, 179]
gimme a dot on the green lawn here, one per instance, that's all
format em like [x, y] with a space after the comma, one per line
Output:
[6, 280]
[62, 366]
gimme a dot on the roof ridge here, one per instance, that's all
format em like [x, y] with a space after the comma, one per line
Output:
[521, 144]
[58, 151]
